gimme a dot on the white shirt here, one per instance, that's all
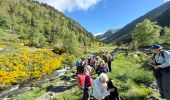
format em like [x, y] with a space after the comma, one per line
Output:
[99, 91]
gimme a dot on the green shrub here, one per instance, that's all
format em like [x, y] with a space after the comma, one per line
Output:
[129, 74]
[122, 77]
[69, 59]
[139, 93]
[142, 77]
[7, 37]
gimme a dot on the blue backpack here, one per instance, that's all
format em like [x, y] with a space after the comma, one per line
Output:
[78, 63]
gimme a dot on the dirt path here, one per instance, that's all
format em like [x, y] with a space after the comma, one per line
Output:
[60, 87]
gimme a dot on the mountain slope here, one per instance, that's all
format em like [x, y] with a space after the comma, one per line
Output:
[29, 19]
[164, 19]
[159, 14]
[106, 35]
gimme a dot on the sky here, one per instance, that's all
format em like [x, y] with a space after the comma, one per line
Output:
[98, 16]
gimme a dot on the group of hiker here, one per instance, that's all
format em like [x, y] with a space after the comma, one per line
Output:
[103, 88]
[100, 64]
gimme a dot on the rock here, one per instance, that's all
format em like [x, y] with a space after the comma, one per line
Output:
[152, 97]
[6, 98]
[1, 48]
[138, 52]
[51, 94]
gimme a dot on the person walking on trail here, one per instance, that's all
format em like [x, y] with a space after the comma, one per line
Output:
[87, 83]
[80, 65]
[100, 90]
[105, 58]
[109, 61]
[161, 65]
[113, 95]
[97, 59]
[102, 68]
[91, 62]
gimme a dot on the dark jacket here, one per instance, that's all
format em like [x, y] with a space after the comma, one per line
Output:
[113, 95]
[100, 70]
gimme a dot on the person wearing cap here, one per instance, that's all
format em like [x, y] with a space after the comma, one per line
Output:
[161, 63]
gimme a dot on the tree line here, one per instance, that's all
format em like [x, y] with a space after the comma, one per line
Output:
[37, 24]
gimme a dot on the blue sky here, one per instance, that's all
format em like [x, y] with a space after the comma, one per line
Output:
[97, 16]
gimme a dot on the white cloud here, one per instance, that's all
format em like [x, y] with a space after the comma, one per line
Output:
[166, 0]
[71, 5]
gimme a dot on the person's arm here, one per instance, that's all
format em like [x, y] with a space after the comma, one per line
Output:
[105, 93]
[98, 70]
[106, 69]
[167, 60]
[99, 92]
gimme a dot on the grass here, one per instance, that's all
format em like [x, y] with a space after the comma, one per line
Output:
[30, 95]
[131, 78]
[95, 48]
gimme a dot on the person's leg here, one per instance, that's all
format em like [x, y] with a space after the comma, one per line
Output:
[109, 65]
[86, 95]
[166, 84]
[159, 84]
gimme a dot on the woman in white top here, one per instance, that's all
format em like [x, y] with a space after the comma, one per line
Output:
[100, 87]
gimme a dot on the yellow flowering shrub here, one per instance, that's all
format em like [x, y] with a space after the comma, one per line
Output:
[11, 77]
[26, 64]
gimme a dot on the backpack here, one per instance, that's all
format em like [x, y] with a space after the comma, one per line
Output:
[79, 63]
[105, 58]
[80, 80]
[162, 54]
[110, 57]
[113, 55]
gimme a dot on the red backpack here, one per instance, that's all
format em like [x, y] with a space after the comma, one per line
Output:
[80, 80]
